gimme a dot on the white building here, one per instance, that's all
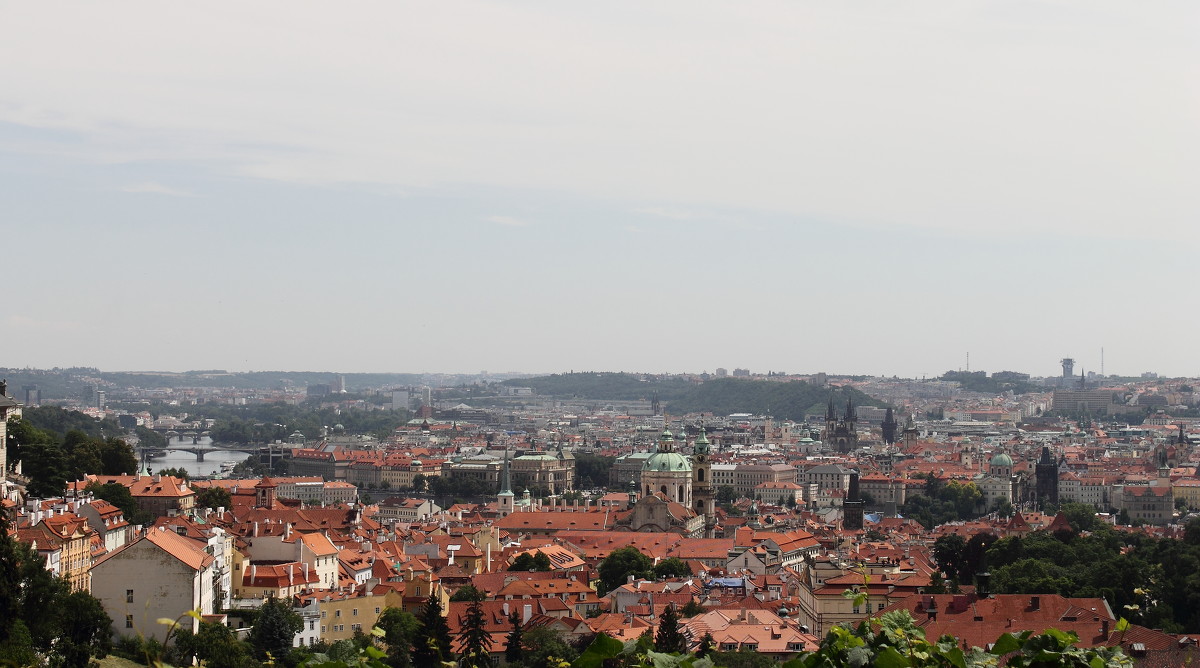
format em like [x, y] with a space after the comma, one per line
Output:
[159, 575]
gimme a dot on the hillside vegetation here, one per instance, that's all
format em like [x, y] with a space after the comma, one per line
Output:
[722, 396]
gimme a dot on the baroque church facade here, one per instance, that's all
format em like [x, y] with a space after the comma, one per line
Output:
[675, 493]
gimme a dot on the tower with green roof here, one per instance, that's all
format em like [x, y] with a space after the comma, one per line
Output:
[702, 490]
[505, 498]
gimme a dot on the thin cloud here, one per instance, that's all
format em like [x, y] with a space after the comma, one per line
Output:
[668, 212]
[507, 221]
[157, 189]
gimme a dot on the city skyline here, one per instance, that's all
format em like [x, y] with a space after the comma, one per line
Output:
[864, 189]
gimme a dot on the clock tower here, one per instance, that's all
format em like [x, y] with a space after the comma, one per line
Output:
[703, 494]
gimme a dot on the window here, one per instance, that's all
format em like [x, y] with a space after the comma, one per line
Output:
[337, 613]
[880, 607]
[129, 596]
[128, 621]
[323, 614]
[311, 624]
[322, 628]
[377, 611]
[354, 612]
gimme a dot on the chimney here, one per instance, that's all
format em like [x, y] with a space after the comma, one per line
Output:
[1035, 602]
[1104, 629]
[506, 612]
[256, 529]
[526, 613]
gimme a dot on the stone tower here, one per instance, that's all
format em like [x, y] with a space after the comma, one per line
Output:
[841, 432]
[702, 488]
[889, 426]
[1046, 472]
[505, 499]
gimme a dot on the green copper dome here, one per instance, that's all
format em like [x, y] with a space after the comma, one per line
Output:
[1002, 460]
[667, 461]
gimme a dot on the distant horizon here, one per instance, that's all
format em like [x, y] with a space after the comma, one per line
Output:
[831, 374]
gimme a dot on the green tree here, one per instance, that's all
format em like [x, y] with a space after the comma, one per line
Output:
[178, 472]
[214, 497]
[513, 651]
[671, 568]
[974, 558]
[707, 645]
[615, 569]
[400, 628]
[119, 495]
[474, 639]
[83, 454]
[467, 593]
[531, 561]
[45, 465]
[1082, 516]
[214, 644]
[85, 629]
[726, 494]
[541, 644]
[117, 457]
[432, 643]
[949, 553]
[669, 638]
[274, 630]
[692, 609]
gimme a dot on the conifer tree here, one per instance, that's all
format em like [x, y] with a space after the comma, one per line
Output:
[474, 639]
[669, 638]
[513, 652]
[432, 644]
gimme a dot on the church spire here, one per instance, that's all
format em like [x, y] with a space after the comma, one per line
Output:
[505, 476]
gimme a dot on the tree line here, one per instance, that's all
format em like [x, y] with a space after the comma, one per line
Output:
[1152, 581]
[50, 459]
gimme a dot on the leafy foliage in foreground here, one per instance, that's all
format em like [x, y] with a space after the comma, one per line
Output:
[893, 641]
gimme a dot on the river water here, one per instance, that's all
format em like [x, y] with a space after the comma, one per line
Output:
[211, 465]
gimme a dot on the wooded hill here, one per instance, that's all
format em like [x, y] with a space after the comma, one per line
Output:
[721, 396]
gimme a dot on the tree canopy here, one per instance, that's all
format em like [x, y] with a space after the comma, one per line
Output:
[616, 568]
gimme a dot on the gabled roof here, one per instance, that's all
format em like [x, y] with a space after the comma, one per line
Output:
[186, 550]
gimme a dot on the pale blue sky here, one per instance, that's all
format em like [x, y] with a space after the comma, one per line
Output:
[844, 187]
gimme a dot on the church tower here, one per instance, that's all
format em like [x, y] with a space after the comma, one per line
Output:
[702, 489]
[889, 427]
[264, 493]
[910, 432]
[830, 421]
[1046, 472]
[841, 433]
[505, 498]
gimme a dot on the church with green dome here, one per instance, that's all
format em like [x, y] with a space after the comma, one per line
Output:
[674, 494]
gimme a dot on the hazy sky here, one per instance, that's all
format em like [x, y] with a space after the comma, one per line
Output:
[851, 187]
